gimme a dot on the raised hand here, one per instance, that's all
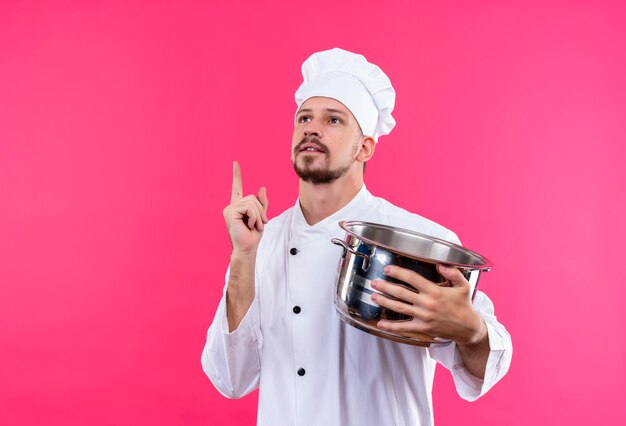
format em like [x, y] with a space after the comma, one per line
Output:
[245, 216]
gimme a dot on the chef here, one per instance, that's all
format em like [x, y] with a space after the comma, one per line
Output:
[276, 328]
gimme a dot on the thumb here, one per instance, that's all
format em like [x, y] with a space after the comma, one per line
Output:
[453, 275]
[262, 197]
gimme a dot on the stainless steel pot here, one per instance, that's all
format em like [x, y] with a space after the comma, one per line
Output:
[369, 247]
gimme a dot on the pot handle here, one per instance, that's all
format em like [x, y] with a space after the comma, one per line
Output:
[347, 248]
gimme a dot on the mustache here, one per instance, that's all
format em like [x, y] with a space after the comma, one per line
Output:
[312, 140]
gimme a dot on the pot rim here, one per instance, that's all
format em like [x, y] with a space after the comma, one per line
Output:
[485, 266]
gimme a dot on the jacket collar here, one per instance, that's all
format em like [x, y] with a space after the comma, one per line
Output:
[351, 211]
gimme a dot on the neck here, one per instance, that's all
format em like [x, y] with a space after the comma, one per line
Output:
[320, 201]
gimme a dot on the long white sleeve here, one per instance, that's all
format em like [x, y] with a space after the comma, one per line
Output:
[232, 360]
[468, 386]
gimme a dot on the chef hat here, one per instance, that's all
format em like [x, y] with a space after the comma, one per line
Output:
[347, 77]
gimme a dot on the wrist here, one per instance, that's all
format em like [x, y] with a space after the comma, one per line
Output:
[239, 256]
[242, 266]
[477, 334]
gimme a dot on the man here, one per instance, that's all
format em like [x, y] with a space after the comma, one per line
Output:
[276, 328]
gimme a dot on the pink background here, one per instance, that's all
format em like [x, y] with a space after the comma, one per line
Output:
[118, 125]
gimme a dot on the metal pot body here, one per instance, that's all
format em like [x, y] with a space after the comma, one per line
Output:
[364, 260]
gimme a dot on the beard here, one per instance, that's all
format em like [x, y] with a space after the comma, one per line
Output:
[317, 176]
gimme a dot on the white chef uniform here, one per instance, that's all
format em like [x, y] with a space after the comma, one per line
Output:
[313, 369]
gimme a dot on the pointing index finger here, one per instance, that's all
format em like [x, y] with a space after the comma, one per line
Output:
[237, 189]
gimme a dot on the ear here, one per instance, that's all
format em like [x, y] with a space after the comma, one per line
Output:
[368, 146]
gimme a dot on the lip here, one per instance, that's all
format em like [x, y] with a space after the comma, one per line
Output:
[311, 148]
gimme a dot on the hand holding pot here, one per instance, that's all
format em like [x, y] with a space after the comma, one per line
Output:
[245, 216]
[444, 312]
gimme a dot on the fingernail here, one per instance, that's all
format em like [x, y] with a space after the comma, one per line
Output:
[380, 324]
[444, 267]
[375, 284]
[387, 269]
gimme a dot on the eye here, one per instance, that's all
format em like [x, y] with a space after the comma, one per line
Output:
[304, 119]
[336, 120]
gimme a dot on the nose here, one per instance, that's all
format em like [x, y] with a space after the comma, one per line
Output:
[311, 129]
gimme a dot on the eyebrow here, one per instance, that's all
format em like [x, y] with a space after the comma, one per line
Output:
[331, 110]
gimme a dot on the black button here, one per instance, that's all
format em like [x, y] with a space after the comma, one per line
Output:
[296, 309]
[301, 372]
[293, 251]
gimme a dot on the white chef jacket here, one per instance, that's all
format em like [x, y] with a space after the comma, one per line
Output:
[311, 367]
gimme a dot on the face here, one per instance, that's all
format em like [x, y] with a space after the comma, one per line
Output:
[326, 141]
